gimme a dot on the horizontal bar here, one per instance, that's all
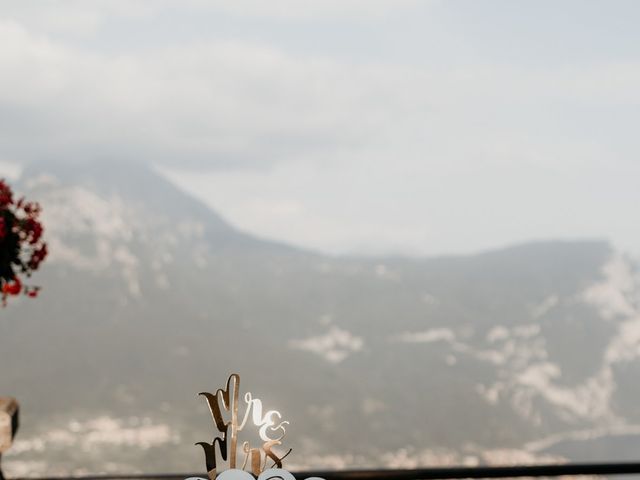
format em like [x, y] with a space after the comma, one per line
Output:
[413, 474]
[479, 472]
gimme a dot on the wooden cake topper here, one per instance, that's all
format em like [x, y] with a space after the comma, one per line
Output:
[269, 424]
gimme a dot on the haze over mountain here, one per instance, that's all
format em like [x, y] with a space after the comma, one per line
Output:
[151, 297]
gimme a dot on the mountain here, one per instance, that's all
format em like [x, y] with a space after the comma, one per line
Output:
[151, 297]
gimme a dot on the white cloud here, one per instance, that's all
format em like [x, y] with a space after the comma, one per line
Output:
[309, 8]
[374, 140]
[10, 170]
[428, 336]
[237, 102]
[334, 346]
[211, 103]
[85, 18]
[85, 441]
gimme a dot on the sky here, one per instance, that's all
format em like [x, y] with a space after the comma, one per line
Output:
[413, 127]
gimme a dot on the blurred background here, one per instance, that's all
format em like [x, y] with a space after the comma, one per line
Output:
[409, 225]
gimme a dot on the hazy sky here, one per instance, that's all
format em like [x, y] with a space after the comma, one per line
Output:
[369, 126]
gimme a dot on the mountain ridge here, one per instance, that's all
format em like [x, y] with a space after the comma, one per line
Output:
[132, 181]
[141, 311]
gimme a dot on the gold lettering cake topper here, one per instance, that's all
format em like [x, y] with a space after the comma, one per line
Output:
[270, 426]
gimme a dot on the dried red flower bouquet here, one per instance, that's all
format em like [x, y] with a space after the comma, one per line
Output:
[22, 247]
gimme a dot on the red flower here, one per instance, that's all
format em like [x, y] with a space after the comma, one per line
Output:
[32, 230]
[6, 195]
[38, 256]
[33, 292]
[22, 248]
[12, 288]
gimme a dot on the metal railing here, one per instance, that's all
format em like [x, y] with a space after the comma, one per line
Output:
[556, 470]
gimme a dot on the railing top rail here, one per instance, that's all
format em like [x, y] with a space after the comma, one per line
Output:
[569, 469]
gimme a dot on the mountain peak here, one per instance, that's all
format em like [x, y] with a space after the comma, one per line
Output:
[140, 183]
